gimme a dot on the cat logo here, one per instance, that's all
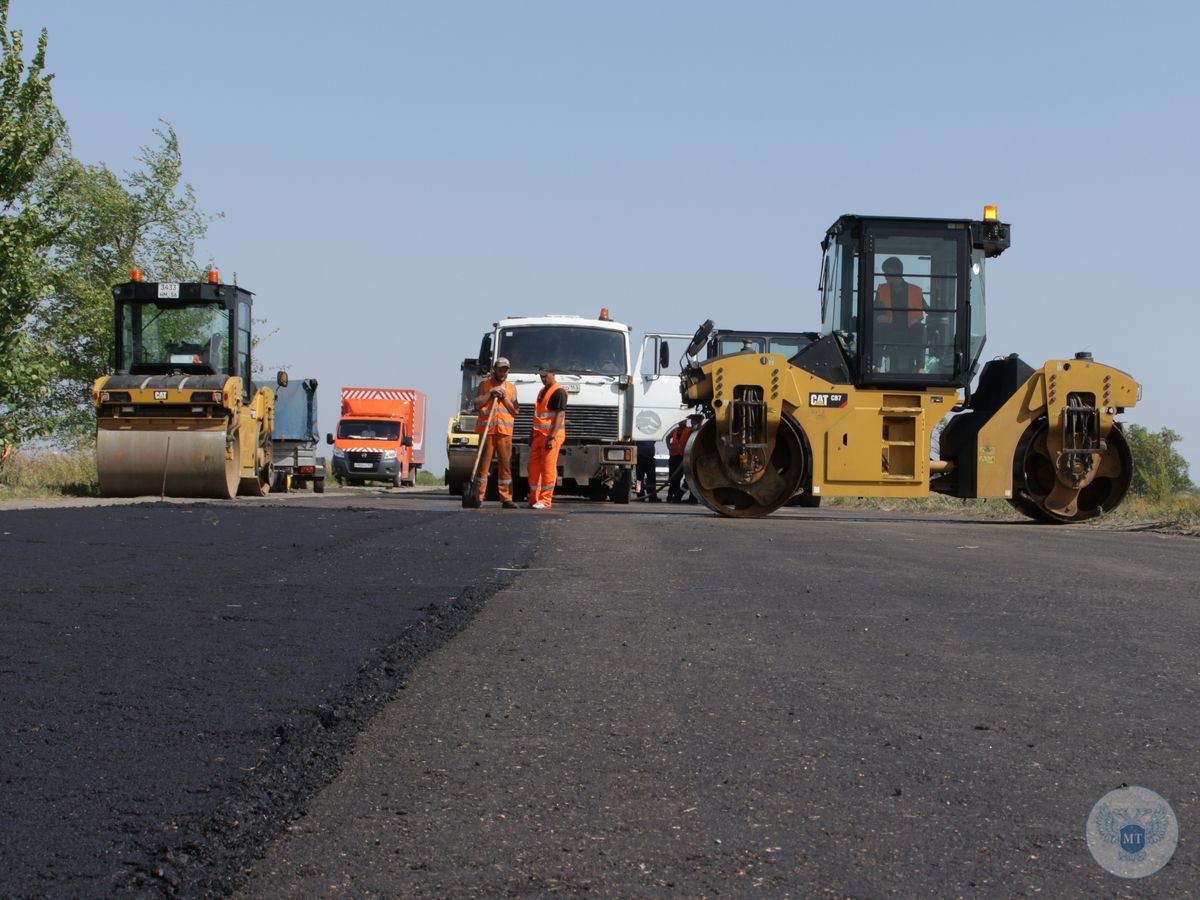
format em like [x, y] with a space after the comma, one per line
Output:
[836, 401]
[160, 395]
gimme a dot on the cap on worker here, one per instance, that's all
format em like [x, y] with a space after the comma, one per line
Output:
[500, 363]
[547, 367]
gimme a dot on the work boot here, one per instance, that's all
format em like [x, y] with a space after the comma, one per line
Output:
[508, 504]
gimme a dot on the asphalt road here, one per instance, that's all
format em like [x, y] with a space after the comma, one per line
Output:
[656, 702]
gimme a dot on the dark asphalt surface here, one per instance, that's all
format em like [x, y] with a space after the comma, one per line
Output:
[813, 704]
[635, 701]
[177, 680]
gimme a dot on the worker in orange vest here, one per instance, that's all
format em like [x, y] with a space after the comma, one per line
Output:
[900, 338]
[549, 432]
[677, 439]
[497, 396]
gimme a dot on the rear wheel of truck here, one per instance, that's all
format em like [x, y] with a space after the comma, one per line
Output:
[318, 485]
[622, 486]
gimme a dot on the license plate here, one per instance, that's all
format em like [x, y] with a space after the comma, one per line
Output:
[168, 290]
[364, 465]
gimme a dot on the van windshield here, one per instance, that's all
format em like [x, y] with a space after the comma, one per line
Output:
[581, 351]
[360, 430]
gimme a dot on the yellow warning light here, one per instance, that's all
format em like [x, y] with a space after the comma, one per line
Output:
[135, 274]
[604, 313]
[214, 276]
[990, 213]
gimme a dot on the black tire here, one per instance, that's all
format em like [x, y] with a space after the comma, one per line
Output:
[622, 488]
[318, 485]
[279, 483]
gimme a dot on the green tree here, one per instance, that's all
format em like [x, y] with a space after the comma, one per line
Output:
[31, 131]
[148, 219]
[1158, 469]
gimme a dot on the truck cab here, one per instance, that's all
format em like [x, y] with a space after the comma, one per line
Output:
[379, 436]
[592, 358]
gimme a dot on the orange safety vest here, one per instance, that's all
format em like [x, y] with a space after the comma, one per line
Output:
[677, 439]
[543, 418]
[916, 303]
[502, 419]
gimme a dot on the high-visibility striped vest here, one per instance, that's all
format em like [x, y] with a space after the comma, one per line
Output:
[916, 303]
[543, 418]
[677, 439]
[502, 419]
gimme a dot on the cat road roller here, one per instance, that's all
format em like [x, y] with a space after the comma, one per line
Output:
[854, 413]
[181, 417]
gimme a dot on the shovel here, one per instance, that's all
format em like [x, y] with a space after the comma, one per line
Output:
[470, 497]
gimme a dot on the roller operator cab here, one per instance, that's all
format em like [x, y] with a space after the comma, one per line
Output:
[855, 412]
[181, 416]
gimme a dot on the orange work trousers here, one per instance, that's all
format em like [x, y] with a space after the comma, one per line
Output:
[543, 467]
[501, 446]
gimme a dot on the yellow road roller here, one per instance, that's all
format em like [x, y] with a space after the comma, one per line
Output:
[181, 416]
[856, 412]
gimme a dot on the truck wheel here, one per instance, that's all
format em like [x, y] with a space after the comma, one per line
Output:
[397, 481]
[279, 484]
[622, 486]
[318, 485]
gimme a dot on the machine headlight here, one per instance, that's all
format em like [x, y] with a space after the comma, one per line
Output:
[339, 453]
[389, 455]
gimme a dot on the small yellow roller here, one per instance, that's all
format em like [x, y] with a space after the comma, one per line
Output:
[181, 417]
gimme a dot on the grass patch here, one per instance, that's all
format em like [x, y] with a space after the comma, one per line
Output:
[428, 479]
[49, 473]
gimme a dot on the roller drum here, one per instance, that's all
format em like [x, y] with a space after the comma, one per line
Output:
[172, 463]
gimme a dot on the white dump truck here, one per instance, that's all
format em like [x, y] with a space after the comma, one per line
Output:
[605, 394]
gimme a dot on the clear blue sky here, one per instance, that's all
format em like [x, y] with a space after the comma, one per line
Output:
[397, 175]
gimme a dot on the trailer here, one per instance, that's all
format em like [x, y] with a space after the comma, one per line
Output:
[295, 438]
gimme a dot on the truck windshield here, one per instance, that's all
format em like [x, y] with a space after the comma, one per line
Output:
[366, 430]
[164, 336]
[579, 350]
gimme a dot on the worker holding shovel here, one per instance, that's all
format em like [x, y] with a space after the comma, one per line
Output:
[497, 401]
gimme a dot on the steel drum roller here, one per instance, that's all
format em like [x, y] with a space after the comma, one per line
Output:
[175, 463]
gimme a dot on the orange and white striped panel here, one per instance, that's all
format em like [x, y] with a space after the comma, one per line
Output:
[378, 394]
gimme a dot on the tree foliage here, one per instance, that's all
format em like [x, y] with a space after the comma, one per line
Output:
[32, 131]
[1158, 469]
[148, 219]
[68, 232]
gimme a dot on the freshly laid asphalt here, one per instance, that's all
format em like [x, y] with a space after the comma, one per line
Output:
[177, 680]
[632, 701]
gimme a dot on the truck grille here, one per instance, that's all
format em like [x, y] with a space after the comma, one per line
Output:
[363, 456]
[583, 423]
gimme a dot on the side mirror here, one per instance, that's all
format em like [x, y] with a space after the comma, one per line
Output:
[328, 438]
[281, 378]
[664, 355]
[485, 352]
[407, 441]
[700, 338]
